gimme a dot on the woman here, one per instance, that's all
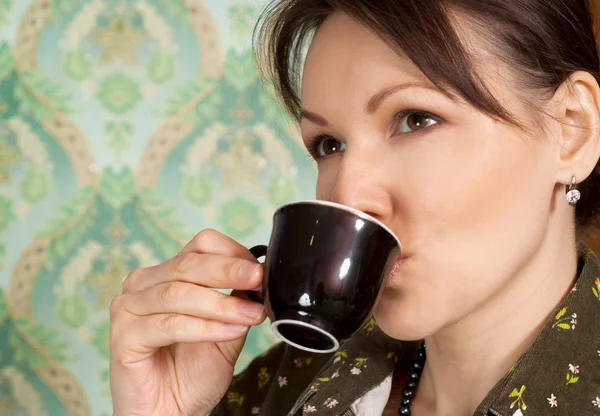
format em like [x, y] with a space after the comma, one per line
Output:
[459, 124]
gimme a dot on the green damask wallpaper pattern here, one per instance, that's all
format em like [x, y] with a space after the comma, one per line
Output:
[126, 126]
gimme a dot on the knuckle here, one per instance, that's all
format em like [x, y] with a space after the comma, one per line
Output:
[116, 305]
[183, 263]
[114, 334]
[225, 306]
[229, 268]
[170, 293]
[119, 350]
[208, 327]
[211, 328]
[116, 337]
[131, 281]
[205, 239]
[169, 323]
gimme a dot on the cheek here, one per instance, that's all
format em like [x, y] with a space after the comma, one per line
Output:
[474, 184]
[474, 211]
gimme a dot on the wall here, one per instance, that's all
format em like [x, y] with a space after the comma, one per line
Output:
[125, 128]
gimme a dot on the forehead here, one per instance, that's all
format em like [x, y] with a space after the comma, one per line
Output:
[346, 58]
[344, 52]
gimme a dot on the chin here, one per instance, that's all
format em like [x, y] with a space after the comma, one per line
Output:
[399, 320]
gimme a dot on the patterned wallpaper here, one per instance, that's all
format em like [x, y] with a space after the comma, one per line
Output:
[126, 126]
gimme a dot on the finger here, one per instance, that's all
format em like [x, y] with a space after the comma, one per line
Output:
[161, 330]
[209, 270]
[213, 242]
[207, 242]
[189, 299]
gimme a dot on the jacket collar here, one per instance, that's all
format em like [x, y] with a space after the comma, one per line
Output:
[362, 363]
[560, 369]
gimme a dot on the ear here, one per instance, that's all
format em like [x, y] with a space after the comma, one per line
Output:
[577, 105]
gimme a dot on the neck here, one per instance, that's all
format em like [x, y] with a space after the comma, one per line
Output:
[480, 349]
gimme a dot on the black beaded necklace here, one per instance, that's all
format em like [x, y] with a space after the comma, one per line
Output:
[410, 388]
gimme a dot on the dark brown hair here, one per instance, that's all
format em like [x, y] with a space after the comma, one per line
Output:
[543, 41]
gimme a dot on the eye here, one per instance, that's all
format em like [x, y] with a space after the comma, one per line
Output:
[412, 121]
[325, 145]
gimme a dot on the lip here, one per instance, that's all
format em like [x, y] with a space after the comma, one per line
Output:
[396, 267]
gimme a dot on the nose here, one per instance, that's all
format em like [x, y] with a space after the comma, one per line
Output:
[361, 183]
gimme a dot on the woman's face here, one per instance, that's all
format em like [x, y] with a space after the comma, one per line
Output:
[470, 198]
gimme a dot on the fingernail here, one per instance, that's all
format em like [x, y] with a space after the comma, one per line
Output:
[237, 328]
[248, 269]
[252, 309]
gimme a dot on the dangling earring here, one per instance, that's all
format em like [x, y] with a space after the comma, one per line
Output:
[573, 195]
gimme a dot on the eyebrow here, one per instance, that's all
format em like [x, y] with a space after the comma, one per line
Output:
[374, 102]
[315, 118]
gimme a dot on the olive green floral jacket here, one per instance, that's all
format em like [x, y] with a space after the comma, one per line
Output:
[558, 375]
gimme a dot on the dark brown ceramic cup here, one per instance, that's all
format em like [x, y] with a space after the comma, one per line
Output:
[325, 269]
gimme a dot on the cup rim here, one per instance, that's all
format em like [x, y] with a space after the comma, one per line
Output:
[346, 208]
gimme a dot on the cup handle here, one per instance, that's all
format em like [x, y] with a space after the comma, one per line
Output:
[258, 252]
